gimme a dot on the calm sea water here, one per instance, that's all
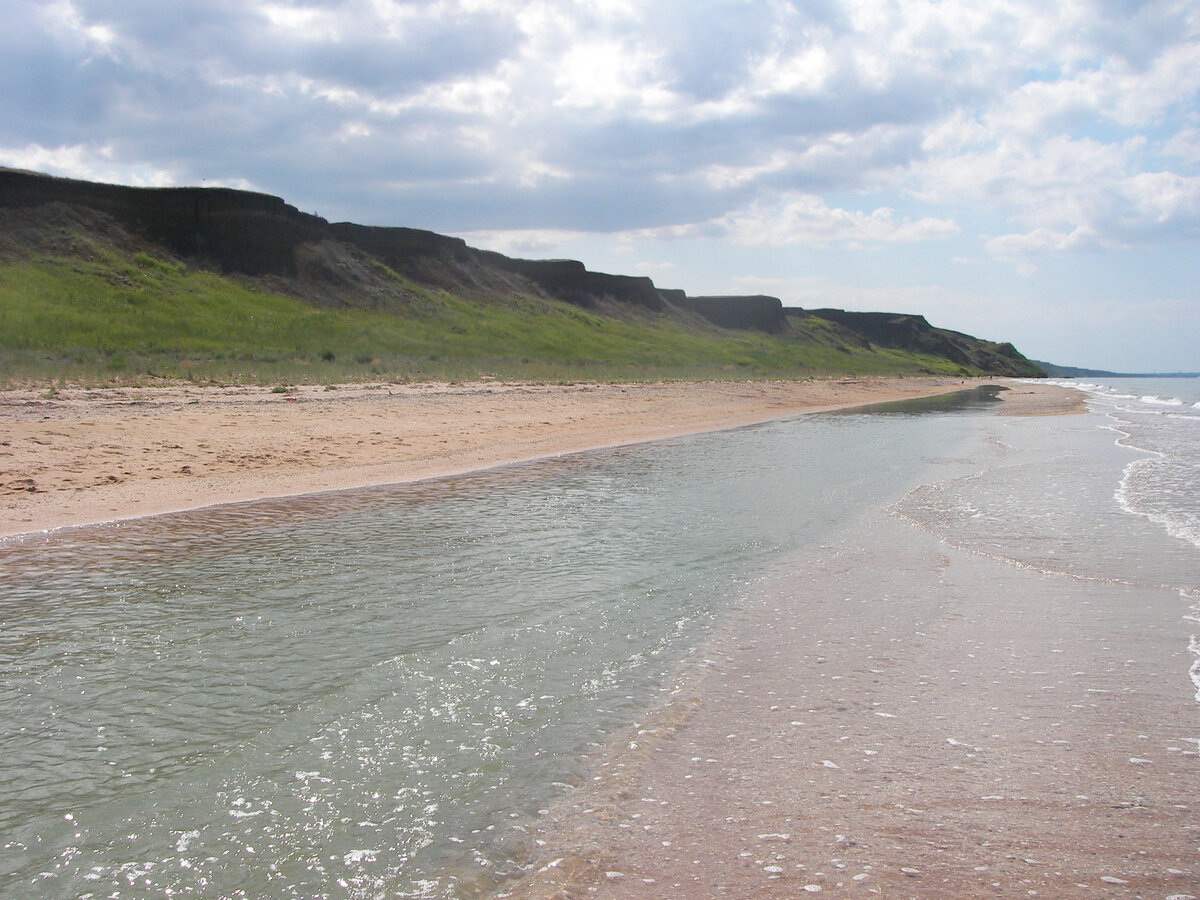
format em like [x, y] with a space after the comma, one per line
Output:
[371, 693]
[1111, 497]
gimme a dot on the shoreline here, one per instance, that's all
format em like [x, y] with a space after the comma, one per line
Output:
[87, 457]
[956, 724]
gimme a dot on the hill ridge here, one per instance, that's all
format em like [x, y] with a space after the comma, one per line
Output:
[346, 266]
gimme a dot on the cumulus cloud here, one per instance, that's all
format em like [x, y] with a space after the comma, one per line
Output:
[520, 242]
[89, 163]
[807, 219]
[1184, 146]
[1067, 126]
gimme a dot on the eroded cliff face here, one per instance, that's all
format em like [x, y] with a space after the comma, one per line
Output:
[234, 231]
[241, 232]
[754, 313]
[343, 264]
[913, 333]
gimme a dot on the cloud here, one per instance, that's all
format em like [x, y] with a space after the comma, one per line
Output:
[1034, 138]
[1111, 213]
[807, 219]
[529, 242]
[802, 220]
[717, 116]
[88, 163]
[1184, 146]
[938, 304]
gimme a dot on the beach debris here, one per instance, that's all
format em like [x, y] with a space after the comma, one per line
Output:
[829, 764]
[782, 838]
[1113, 879]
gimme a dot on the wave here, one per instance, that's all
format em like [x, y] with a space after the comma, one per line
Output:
[1161, 401]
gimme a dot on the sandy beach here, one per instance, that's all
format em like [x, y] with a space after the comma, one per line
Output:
[87, 456]
[882, 713]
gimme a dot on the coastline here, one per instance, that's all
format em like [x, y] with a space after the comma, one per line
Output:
[906, 712]
[84, 457]
[879, 709]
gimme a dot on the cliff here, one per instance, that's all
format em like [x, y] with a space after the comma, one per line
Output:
[343, 265]
[914, 333]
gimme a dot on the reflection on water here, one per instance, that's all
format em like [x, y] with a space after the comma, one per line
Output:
[367, 692]
[982, 397]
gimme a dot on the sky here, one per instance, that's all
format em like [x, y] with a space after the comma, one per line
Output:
[1020, 171]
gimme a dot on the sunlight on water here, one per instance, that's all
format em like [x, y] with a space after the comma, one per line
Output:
[368, 693]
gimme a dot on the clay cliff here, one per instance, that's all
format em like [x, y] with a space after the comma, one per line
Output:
[263, 238]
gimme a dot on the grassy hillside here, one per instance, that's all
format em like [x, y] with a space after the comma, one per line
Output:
[102, 315]
[102, 283]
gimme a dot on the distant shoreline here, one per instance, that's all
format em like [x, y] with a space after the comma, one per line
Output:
[84, 457]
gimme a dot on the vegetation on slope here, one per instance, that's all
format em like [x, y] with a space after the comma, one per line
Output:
[104, 315]
[110, 283]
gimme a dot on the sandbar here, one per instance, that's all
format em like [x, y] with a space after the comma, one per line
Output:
[79, 456]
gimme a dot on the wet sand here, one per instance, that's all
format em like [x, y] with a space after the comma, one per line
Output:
[87, 456]
[1042, 400]
[850, 735]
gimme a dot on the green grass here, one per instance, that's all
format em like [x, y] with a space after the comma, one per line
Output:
[111, 317]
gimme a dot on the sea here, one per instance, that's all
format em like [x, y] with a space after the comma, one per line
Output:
[378, 692]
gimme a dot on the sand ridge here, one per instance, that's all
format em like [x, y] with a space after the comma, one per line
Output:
[79, 456]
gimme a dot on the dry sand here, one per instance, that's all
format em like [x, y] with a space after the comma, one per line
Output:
[87, 456]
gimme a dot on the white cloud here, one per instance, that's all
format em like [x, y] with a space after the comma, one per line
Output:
[1160, 198]
[807, 71]
[63, 18]
[807, 219]
[1111, 212]
[85, 162]
[735, 106]
[305, 23]
[1037, 131]
[1184, 146]
[605, 75]
[520, 242]
[1023, 249]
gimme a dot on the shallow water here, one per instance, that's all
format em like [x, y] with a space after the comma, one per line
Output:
[1161, 418]
[1111, 497]
[369, 693]
[979, 687]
